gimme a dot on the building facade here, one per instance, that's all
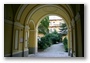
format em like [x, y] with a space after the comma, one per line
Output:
[55, 25]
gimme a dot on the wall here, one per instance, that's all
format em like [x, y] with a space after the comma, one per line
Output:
[7, 39]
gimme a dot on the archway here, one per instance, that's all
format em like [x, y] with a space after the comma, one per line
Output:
[33, 14]
[55, 32]
[21, 22]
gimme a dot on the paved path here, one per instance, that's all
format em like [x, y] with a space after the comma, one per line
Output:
[56, 50]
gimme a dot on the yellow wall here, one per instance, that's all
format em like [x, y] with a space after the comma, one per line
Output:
[32, 38]
[79, 40]
[8, 13]
[21, 43]
[7, 38]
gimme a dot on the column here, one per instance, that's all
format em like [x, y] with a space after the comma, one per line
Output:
[70, 41]
[79, 39]
[79, 46]
[32, 41]
[26, 40]
[74, 38]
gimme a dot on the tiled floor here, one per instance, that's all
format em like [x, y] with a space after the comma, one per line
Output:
[56, 50]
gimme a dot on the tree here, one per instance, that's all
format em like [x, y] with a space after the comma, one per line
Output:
[63, 29]
[43, 26]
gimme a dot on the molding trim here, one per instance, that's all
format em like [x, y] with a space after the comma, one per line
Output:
[18, 24]
[15, 23]
[8, 21]
[21, 10]
[33, 23]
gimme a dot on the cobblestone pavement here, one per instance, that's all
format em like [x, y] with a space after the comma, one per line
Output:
[56, 50]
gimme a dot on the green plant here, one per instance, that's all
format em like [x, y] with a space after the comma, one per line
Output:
[44, 43]
[56, 37]
[66, 48]
[49, 43]
[43, 26]
[48, 40]
[65, 44]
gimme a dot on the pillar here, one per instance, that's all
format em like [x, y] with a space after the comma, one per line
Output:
[70, 46]
[32, 42]
[78, 36]
[26, 40]
[73, 38]
[69, 41]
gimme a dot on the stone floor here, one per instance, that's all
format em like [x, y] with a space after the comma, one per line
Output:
[56, 50]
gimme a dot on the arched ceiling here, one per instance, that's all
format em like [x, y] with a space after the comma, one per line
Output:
[34, 12]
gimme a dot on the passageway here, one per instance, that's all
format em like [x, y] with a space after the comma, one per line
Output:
[56, 50]
[21, 23]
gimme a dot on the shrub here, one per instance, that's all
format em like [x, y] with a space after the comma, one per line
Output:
[65, 44]
[49, 43]
[48, 40]
[44, 43]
